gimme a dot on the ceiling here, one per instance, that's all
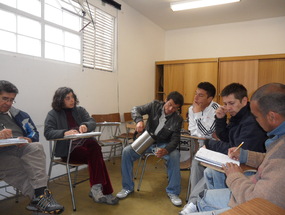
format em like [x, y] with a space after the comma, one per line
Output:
[159, 12]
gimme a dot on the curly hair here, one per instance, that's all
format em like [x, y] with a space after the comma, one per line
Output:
[58, 98]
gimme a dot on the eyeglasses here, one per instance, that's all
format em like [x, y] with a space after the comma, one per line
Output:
[6, 99]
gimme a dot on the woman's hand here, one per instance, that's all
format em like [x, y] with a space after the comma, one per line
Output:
[83, 128]
[71, 132]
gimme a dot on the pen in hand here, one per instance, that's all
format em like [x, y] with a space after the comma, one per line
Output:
[238, 147]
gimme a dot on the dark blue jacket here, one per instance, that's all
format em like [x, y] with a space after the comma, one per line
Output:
[241, 128]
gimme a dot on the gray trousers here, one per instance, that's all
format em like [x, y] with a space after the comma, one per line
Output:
[198, 183]
[24, 167]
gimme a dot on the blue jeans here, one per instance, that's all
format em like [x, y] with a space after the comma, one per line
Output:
[217, 180]
[173, 168]
[213, 202]
[214, 179]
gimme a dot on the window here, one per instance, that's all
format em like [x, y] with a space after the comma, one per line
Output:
[64, 31]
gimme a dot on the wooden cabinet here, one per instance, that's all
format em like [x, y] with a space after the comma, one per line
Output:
[251, 71]
[184, 75]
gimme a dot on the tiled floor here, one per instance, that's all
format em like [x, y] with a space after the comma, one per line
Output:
[150, 200]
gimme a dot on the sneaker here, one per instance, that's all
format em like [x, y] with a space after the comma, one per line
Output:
[96, 194]
[124, 193]
[45, 204]
[188, 208]
[175, 199]
[111, 200]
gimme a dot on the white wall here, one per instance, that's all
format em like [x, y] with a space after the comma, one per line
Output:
[236, 39]
[140, 44]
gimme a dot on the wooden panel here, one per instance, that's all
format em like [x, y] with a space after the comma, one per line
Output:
[243, 72]
[173, 78]
[184, 112]
[196, 73]
[271, 71]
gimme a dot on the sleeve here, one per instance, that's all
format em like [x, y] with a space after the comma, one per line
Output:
[175, 137]
[222, 131]
[202, 124]
[138, 111]
[27, 125]
[86, 119]
[52, 130]
[268, 183]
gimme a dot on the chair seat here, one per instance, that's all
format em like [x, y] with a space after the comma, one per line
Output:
[110, 142]
[60, 161]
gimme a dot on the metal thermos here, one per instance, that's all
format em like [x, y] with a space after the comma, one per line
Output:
[141, 144]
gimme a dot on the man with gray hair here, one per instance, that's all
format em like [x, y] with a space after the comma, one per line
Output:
[27, 162]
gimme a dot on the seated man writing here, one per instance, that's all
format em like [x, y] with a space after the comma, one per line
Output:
[268, 107]
[27, 162]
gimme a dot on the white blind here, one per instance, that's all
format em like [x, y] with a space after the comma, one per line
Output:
[98, 40]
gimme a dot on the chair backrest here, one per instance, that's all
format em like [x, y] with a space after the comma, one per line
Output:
[112, 117]
[128, 116]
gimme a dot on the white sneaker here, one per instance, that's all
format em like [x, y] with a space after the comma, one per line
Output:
[188, 208]
[175, 199]
[124, 193]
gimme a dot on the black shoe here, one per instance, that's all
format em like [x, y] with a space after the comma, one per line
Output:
[45, 204]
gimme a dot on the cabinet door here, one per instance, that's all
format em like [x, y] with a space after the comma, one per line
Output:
[244, 72]
[173, 78]
[272, 70]
[198, 72]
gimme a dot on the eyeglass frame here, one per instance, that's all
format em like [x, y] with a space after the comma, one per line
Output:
[6, 99]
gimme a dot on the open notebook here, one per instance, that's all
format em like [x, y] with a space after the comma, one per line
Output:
[214, 158]
[12, 141]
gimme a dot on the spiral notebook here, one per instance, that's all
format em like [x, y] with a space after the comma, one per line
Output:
[214, 158]
[12, 141]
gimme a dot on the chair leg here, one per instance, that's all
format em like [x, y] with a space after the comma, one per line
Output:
[143, 170]
[138, 167]
[71, 188]
[188, 188]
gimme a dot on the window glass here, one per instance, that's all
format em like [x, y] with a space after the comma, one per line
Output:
[53, 14]
[8, 41]
[53, 51]
[29, 46]
[72, 40]
[11, 3]
[54, 35]
[29, 27]
[71, 21]
[8, 21]
[72, 55]
[30, 6]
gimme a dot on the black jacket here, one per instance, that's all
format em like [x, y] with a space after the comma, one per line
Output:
[170, 133]
[241, 128]
[56, 126]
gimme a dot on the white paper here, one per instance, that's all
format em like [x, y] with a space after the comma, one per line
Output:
[213, 158]
[12, 141]
[82, 135]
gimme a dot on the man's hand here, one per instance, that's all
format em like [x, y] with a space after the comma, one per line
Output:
[196, 107]
[221, 112]
[230, 168]
[140, 127]
[6, 133]
[233, 153]
[161, 152]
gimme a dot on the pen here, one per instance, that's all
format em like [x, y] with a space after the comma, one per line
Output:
[238, 147]
[3, 126]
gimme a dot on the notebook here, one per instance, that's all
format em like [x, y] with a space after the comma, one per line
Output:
[12, 141]
[214, 158]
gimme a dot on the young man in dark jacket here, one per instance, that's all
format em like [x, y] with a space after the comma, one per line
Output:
[164, 124]
[242, 127]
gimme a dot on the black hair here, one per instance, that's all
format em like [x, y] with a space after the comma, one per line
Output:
[8, 87]
[176, 97]
[238, 90]
[209, 88]
[58, 98]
